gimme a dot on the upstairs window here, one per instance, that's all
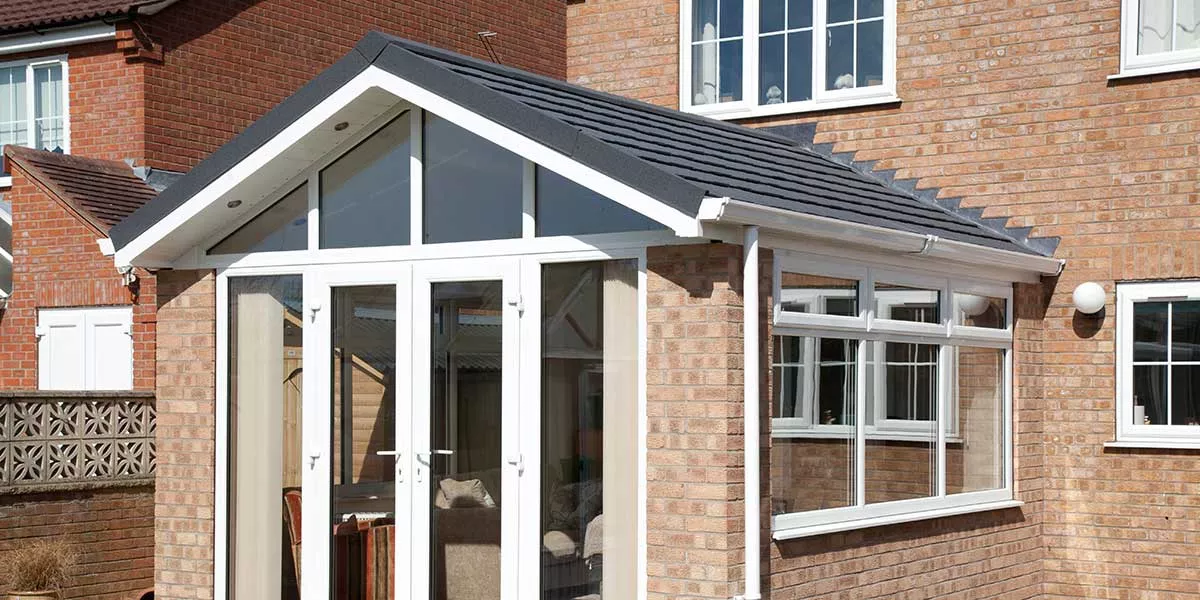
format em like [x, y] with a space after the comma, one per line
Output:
[33, 104]
[1160, 36]
[746, 58]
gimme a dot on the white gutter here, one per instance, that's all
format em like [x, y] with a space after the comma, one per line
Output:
[750, 350]
[56, 38]
[736, 212]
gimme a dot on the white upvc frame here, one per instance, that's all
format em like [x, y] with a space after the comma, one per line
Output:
[1129, 433]
[470, 260]
[6, 254]
[1136, 65]
[822, 99]
[867, 329]
[30, 102]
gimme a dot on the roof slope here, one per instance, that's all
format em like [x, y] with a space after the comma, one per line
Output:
[29, 14]
[672, 156]
[101, 192]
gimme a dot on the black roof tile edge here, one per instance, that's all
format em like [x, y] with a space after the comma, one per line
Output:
[805, 134]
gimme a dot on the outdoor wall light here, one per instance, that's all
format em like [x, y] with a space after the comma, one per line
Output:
[972, 305]
[341, 126]
[1089, 298]
[233, 203]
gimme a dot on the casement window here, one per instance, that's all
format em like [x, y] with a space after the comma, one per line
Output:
[923, 359]
[743, 58]
[85, 348]
[6, 259]
[1158, 364]
[33, 104]
[1159, 36]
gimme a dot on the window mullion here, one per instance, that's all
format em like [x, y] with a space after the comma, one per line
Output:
[30, 108]
[860, 425]
[818, 51]
[416, 221]
[1170, 341]
[750, 58]
[944, 385]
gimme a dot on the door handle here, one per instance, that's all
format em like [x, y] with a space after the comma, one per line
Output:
[395, 453]
[426, 456]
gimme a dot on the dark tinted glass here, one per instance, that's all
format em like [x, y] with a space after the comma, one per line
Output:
[799, 13]
[799, 66]
[365, 194]
[1185, 331]
[1150, 331]
[869, 45]
[567, 208]
[472, 186]
[283, 226]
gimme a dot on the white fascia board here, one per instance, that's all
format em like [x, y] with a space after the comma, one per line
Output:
[727, 210]
[106, 246]
[57, 38]
[138, 251]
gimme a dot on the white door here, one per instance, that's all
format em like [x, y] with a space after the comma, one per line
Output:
[470, 445]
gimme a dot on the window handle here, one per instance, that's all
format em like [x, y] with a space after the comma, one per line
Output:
[518, 461]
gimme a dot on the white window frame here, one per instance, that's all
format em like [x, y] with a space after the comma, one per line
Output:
[867, 329]
[6, 253]
[1136, 65]
[31, 120]
[86, 318]
[1128, 433]
[821, 99]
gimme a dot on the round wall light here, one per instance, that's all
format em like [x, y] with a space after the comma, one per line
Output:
[1089, 298]
[341, 126]
[972, 305]
[233, 203]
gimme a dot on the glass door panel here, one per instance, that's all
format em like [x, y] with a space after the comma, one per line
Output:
[363, 442]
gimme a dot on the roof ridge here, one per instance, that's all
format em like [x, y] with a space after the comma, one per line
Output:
[805, 134]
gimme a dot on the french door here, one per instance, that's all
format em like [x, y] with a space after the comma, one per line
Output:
[415, 443]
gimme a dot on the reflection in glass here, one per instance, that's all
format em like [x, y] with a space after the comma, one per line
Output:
[567, 208]
[816, 372]
[1167, 25]
[265, 424]
[283, 226]
[975, 462]
[974, 310]
[869, 51]
[818, 294]
[730, 79]
[589, 405]
[1185, 331]
[365, 194]
[465, 437]
[904, 303]
[473, 188]
[1149, 394]
[1150, 331]
[799, 71]
[902, 464]
[363, 440]
[812, 473]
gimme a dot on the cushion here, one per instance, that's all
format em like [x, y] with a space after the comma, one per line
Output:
[465, 494]
[559, 544]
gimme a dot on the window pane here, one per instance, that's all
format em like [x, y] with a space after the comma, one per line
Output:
[1185, 395]
[870, 8]
[815, 472]
[472, 186]
[1185, 331]
[6, 276]
[902, 303]
[5, 234]
[1187, 25]
[973, 310]
[283, 226]
[770, 70]
[975, 461]
[1149, 395]
[771, 15]
[870, 54]
[802, 293]
[1149, 331]
[730, 79]
[48, 107]
[838, 11]
[731, 18]
[839, 58]
[266, 458]
[901, 457]
[365, 194]
[799, 66]
[13, 116]
[789, 376]
[1154, 26]
[704, 20]
[567, 208]
[589, 404]
[704, 73]
[800, 13]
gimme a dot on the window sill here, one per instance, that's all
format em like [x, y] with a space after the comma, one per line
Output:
[729, 114]
[802, 532]
[1133, 73]
[1155, 444]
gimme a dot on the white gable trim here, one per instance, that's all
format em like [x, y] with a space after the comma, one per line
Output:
[136, 251]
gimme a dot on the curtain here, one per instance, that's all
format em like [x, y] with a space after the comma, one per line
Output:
[13, 118]
[620, 423]
[48, 107]
[1187, 25]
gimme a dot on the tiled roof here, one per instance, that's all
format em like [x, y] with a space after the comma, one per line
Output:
[29, 14]
[101, 192]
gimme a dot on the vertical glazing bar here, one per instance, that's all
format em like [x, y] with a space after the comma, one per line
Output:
[417, 178]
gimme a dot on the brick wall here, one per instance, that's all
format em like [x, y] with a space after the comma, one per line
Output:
[228, 62]
[184, 493]
[1008, 106]
[57, 264]
[113, 531]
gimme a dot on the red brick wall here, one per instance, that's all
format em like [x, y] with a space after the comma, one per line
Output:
[184, 487]
[228, 62]
[107, 97]
[57, 264]
[112, 529]
[1008, 105]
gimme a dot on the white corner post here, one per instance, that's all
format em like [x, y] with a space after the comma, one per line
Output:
[750, 378]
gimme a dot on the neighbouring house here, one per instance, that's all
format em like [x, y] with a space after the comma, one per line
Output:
[481, 333]
[104, 103]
